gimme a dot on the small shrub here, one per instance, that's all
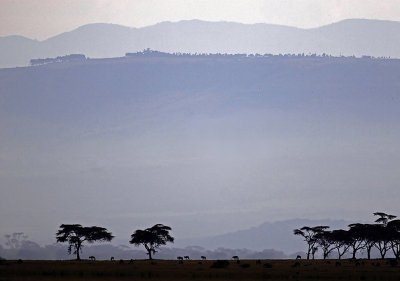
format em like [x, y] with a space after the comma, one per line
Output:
[220, 264]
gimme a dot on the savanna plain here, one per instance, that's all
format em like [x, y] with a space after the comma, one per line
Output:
[201, 270]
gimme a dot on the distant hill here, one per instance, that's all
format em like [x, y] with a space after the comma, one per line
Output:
[205, 145]
[349, 37]
[270, 235]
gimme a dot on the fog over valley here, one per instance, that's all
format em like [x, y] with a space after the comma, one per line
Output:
[205, 144]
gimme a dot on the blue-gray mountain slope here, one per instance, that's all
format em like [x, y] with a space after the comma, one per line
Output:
[206, 145]
[350, 37]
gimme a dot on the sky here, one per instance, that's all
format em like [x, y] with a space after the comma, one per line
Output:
[41, 19]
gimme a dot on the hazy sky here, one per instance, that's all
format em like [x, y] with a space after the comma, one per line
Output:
[46, 18]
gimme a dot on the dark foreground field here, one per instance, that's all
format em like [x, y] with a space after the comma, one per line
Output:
[201, 270]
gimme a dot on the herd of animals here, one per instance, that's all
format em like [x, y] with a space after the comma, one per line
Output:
[180, 259]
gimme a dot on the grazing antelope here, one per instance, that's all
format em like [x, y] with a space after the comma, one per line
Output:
[298, 257]
[235, 258]
[187, 257]
[92, 258]
[112, 259]
[203, 258]
[180, 259]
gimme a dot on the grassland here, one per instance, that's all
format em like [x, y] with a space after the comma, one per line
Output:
[248, 270]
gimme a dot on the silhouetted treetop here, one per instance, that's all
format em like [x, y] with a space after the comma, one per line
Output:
[76, 234]
[152, 238]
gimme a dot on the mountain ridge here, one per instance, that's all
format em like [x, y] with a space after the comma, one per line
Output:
[357, 37]
[277, 235]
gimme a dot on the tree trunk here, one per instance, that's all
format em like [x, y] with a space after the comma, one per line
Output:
[354, 253]
[382, 249]
[396, 250]
[148, 251]
[78, 248]
[383, 253]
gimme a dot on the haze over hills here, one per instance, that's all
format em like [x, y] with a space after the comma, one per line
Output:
[269, 235]
[349, 37]
[207, 145]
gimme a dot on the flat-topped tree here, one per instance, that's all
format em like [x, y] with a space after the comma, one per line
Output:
[76, 234]
[309, 234]
[341, 241]
[384, 218]
[394, 232]
[152, 238]
[383, 241]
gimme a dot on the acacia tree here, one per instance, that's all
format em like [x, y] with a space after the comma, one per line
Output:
[370, 233]
[383, 239]
[356, 235]
[152, 238]
[309, 234]
[341, 241]
[394, 232]
[325, 240]
[76, 234]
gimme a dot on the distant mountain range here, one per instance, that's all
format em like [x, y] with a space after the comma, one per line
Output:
[349, 37]
[269, 235]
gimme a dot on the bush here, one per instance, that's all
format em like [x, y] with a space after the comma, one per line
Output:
[220, 264]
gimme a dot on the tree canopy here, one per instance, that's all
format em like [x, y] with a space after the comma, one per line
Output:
[384, 235]
[76, 234]
[152, 238]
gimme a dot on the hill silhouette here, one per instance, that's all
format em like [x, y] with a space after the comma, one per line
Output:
[349, 37]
